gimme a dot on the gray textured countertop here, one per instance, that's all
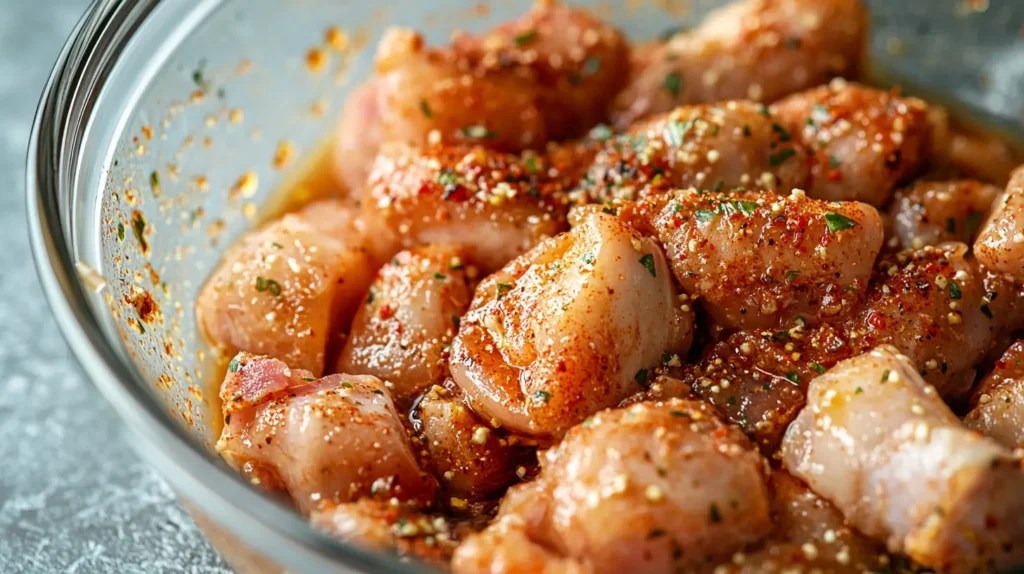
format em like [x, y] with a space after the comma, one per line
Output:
[73, 496]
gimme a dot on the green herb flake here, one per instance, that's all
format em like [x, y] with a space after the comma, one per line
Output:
[308, 379]
[120, 232]
[525, 38]
[477, 132]
[268, 285]
[540, 397]
[234, 365]
[440, 276]
[954, 290]
[589, 259]
[791, 275]
[425, 108]
[703, 215]
[986, 310]
[818, 368]
[783, 134]
[154, 182]
[858, 391]
[793, 377]
[885, 376]
[370, 297]
[648, 261]
[679, 414]
[778, 158]
[719, 185]
[447, 177]
[672, 83]
[834, 162]
[731, 401]
[641, 377]
[456, 321]
[531, 164]
[502, 289]
[747, 207]
[713, 514]
[950, 225]
[836, 222]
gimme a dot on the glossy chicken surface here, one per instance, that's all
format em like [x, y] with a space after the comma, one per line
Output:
[704, 304]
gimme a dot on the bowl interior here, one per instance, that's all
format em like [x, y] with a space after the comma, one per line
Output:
[185, 141]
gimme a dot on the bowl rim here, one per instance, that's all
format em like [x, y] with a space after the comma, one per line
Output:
[68, 97]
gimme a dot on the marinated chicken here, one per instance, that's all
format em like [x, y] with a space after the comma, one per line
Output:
[756, 49]
[878, 442]
[998, 403]
[1000, 246]
[658, 486]
[569, 329]
[706, 304]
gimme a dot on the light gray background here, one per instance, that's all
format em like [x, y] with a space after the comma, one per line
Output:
[73, 496]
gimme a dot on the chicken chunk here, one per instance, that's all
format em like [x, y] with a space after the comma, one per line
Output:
[570, 328]
[757, 260]
[548, 76]
[285, 289]
[941, 309]
[333, 439]
[358, 140]
[864, 141]
[1000, 245]
[711, 147]
[401, 333]
[933, 212]
[658, 487]
[758, 379]
[879, 443]
[756, 49]
[471, 459]
[392, 526]
[809, 535]
[998, 404]
[497, 205]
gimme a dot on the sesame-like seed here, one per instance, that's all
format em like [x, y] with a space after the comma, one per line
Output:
[653, 493]
[931, 364]
[480, 435]
[984, 398]
[917, 409]
[809, 550]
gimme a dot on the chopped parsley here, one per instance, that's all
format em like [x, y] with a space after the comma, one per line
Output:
[858, 391]
[477, 132]
[818, 368]
[885, 376]
[783, 134]
[833, 162]
[447, 177]
[747, 207]
[672, 83]
[836, 222]
[648, 261]
[591, 66]
[540, 397]
[954, 290]
[791, 275]
[793, 377]
[268, 285]
[526, 37]
[502, 289]
[985, 309]
[120, 232]
[234, 365]
[778, 158]
[440, 276]
[713, 514]
[589, 258]
[641, 377]
[425, 108]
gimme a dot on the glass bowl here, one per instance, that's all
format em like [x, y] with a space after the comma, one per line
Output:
[165, 124]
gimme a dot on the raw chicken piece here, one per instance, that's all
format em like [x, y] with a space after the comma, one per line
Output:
[1000, 245]
[933, 212]
[392, 526]
[497, 205]
[756, 49]
[757, 260]
[998, 406]
[333, 439]
[285, 289]
[471, 459]
[654, 487]
[810, 535]
[548, 76]
[358, 140]
[880, 444]
[758, 380]
[409, 317]
[941, 309]
[570, 328]
[864, 141]
[711, 147]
